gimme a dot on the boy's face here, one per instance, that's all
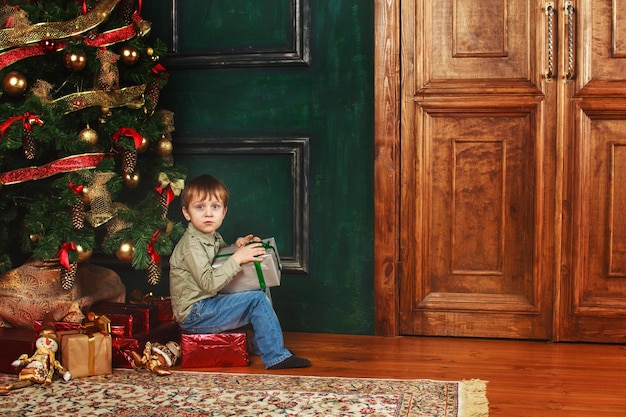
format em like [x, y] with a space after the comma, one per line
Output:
[206, 214]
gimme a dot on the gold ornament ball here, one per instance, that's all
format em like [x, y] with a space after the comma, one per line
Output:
[35, 237]
[144, 145]
[129, 55]
[83, 254]
[88, 135]
[150, 51]
[131, 180]
[14, 83]
[75, 61]
[164, 147]
[125, 252]
[85, 195]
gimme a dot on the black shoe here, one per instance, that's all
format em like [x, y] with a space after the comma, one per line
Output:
[292, 362]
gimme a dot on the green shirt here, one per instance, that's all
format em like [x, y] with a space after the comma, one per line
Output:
[192, 278]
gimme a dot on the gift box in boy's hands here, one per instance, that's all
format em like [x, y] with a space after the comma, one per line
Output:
[254, 275]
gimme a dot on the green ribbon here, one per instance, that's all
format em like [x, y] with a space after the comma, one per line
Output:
[259, 274]
[257, 264]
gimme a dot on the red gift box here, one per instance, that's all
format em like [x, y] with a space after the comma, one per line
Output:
[213, 350]
[122, 346]
[164, 308]
[144, 316]
[59, 325]
[14, 343]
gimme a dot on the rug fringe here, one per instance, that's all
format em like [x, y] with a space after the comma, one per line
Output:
[473, 398]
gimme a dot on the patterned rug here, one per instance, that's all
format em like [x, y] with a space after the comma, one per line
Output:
[127, 392]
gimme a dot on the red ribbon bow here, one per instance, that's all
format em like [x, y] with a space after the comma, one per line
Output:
[159, 69]
[153, 253]
[128, 132]
[27, 122]
[76, 188]
[64, 256]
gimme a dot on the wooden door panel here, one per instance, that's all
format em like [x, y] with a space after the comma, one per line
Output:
[477, 203]
[596, 283]
[476, 166]
[477, 39]
[593, 272]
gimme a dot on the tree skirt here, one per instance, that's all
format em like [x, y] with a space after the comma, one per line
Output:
[127, 392]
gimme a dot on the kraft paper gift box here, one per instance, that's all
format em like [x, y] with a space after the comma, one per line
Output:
[254, 275]
[214, 350]
[14, 343]
[86, 354]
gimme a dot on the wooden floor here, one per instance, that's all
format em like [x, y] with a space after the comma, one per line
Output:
[525, 379]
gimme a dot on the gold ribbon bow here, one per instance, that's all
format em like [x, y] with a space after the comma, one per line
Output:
[176, 186]
[96, 323]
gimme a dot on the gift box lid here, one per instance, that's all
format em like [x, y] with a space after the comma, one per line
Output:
[270, 247]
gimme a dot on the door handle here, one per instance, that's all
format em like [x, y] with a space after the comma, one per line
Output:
[549, 12]
[568, 11]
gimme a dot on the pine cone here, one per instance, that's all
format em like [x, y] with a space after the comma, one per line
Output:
[68, 276]
[29, 145]
[163, 204]
[129, 161]
[78, 215]
[154, 272]
[152, 93]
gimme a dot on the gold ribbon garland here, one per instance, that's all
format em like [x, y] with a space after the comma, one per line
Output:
[128, 96]
[12, 37]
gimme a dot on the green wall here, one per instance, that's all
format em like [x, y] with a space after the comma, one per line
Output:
[328, 101]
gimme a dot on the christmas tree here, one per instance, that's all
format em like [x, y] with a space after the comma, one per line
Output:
[85, 150]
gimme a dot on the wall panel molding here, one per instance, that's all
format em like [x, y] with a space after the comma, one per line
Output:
[297, 149]
[295, 51]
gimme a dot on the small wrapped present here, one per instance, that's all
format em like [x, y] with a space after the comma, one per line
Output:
[142, 316]
[163, 304]
[14, 343]
[254, 275]
[164, 308]
[86, 354]
[213, 350]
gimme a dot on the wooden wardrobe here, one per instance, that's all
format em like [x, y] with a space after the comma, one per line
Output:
[500, 169]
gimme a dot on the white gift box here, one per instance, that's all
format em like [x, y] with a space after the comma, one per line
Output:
[254, 275]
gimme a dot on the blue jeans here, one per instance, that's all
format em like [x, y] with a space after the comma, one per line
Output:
[226, 312]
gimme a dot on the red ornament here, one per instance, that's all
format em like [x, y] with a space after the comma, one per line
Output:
[49, 46]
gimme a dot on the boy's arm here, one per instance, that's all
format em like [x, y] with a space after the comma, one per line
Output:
[211, 280]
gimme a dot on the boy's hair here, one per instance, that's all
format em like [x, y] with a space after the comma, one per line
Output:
[198, 188]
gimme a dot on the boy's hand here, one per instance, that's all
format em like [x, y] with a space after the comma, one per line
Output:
[243, 241]
[249, 253]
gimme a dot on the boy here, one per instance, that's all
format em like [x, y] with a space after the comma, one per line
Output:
[197, 303]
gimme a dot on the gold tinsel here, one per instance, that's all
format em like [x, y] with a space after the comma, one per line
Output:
[101, 205]
[167, 117]
[108, 75]
[42, 90]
